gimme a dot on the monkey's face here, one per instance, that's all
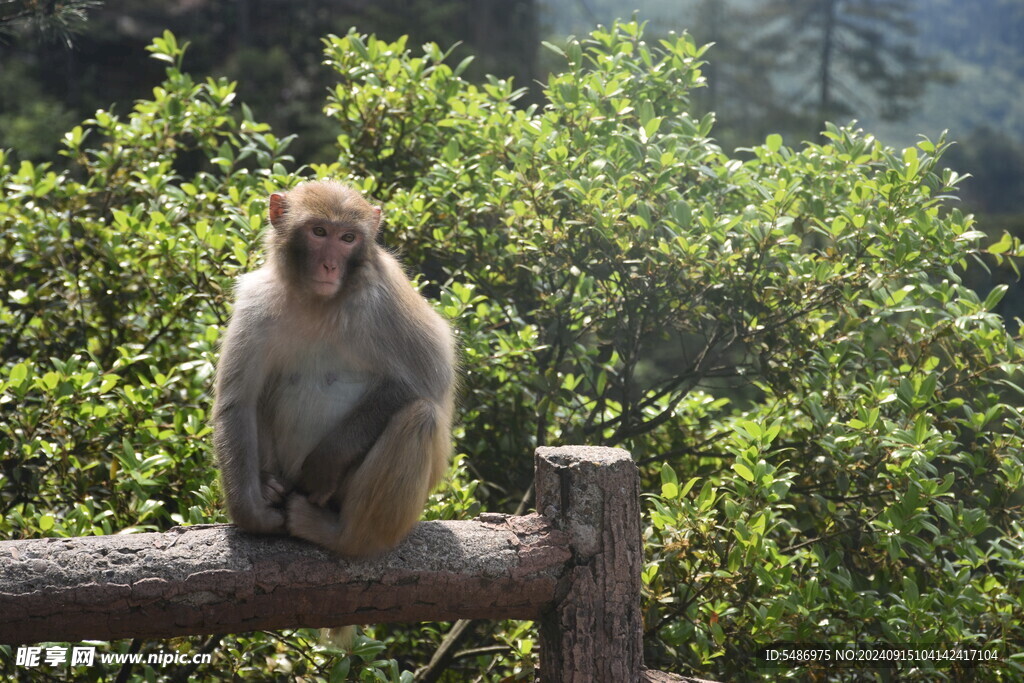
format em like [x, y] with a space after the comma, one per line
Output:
[321, 234]
[325, 253]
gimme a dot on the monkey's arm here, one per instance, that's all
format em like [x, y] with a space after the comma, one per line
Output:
[241, 374]
[344, 447]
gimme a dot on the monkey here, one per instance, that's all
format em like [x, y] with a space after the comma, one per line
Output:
[334, 392]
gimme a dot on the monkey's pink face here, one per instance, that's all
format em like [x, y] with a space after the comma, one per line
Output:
[330, 252]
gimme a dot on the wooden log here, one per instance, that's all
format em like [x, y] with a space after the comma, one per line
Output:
[217, 579]
[593, 632]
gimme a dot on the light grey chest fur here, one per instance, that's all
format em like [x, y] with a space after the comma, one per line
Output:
[306, 398]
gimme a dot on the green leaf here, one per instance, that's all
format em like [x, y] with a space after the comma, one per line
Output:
[18, 374]
[751, 430]
[994, 297]
[742, 470]
[554, 48]
[1003, 245]
[463, 65]
[911, 161]
[706, 498]
[682, 213]
[651, 127]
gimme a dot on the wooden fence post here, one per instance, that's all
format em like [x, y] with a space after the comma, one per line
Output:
[593, 631]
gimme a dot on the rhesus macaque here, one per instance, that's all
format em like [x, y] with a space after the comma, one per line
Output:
[334, 391]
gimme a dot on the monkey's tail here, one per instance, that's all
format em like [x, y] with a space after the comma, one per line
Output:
[340, 637]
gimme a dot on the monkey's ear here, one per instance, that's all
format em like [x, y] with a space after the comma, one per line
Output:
[277, 209]
[376, 213]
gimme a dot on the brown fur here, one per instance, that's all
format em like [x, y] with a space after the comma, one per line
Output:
[333, 410]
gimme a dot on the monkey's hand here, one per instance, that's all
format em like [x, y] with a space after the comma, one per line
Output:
[274, 492]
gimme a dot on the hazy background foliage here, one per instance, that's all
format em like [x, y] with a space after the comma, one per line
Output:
[900, 67]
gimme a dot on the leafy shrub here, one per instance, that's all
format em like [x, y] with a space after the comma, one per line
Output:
[828, 422]
[788, 328]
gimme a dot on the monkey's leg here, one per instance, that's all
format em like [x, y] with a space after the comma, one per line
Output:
[385, 495]
[329, 466]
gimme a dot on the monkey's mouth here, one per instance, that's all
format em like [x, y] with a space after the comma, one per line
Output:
[326, 287]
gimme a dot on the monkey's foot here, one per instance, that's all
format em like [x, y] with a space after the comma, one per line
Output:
[312, 522]
[260, 519]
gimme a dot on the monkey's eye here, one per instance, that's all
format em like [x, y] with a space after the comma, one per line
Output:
[348, 237]
[320, 231]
